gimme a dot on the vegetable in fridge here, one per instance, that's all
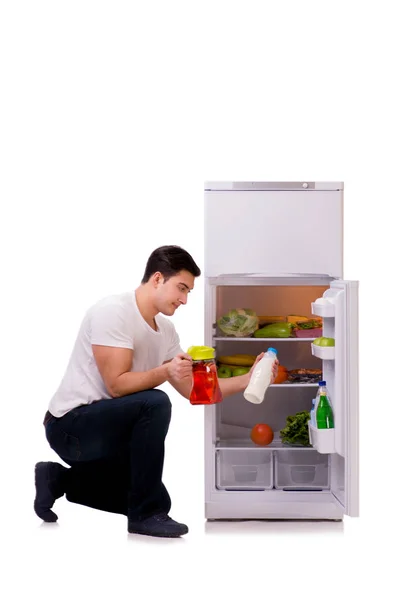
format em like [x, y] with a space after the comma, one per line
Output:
[275, 330]
[310, 324]
[296, 430]
[239, 322]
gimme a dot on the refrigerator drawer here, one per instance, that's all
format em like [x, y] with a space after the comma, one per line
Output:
[244, 468]
[301, 469]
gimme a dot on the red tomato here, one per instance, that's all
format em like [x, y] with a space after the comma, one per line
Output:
[262, 434]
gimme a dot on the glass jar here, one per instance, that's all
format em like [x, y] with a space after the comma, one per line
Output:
[205, 388]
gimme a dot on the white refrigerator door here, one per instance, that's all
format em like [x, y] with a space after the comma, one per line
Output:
[341, 375]
[273, 229]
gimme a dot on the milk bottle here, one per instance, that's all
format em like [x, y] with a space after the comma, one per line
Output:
[261, 377]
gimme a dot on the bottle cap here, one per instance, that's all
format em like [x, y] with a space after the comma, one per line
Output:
[272, 350]
[322, 383]
[201, 352]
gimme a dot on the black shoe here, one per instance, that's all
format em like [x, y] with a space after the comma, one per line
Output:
[48, 482]
[158, 525]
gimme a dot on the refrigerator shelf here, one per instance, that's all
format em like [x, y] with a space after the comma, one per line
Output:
[246, 443]
[250, 339]
[294, 385]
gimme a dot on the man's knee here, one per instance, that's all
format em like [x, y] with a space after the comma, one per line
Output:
[152, 401]
[158, 408]
[158, 399]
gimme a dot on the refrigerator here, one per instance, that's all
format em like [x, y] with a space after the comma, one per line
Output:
[277, 247]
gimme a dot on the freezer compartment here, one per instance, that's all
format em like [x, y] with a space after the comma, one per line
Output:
[323, 440]
[301, 469]
[276, 230]
[244, 468]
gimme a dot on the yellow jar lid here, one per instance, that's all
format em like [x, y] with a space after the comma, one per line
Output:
[201, 352]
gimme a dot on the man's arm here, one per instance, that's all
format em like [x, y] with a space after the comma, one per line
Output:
[233, 385]
[183, 383]
[115, 365]
[228, 386]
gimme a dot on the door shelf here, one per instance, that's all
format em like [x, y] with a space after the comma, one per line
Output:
[324, 352]
[323, 310]
[322, 440]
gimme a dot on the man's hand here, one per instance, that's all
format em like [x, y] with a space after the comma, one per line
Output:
[179, 368]
[233, 385]
[274, 368]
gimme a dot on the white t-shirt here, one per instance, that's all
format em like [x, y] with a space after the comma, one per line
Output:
[113, 321]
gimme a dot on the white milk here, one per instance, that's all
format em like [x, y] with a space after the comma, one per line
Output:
[261, 377]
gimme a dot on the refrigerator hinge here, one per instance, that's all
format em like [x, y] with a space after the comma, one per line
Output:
[337, 501]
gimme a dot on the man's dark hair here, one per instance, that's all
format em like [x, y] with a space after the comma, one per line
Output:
[169, 260]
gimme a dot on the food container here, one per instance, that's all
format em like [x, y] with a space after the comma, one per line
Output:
[308, 333]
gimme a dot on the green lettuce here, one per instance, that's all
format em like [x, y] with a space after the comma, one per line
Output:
[239, 322]
[296, 430]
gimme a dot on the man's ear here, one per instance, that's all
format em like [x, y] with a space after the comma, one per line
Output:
[157, 278]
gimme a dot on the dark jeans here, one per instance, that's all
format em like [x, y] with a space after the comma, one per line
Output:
[115, 449]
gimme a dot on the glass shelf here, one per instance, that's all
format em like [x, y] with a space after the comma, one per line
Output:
[250, 339]
[278, 385]
[276, 444]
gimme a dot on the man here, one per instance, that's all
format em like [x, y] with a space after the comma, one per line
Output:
[107, 420]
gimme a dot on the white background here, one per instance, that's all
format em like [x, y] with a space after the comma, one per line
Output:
[113, 114]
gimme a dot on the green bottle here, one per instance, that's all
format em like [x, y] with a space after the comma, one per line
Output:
[324, 413]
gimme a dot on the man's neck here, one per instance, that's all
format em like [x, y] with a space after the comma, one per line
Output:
[145, 306]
